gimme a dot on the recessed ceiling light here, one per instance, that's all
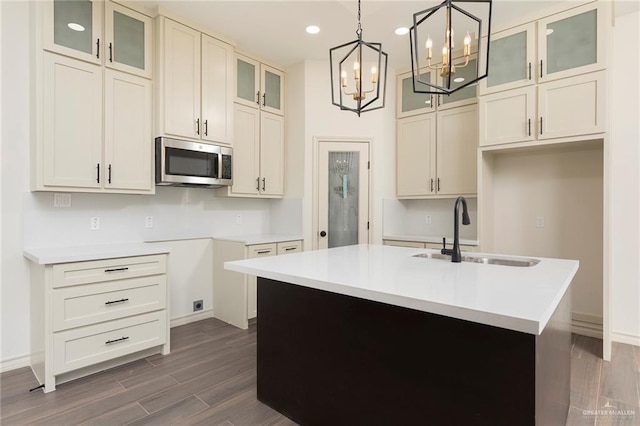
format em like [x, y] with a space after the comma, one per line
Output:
[458, 80]
[75, 27]
[312, 29]
[549, 31]
[402, 30]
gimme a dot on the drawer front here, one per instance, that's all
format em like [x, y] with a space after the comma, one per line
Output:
[92, 303]
[68, 274]
[262, 250]
[412, 244]
[290, 247]
[85, 346]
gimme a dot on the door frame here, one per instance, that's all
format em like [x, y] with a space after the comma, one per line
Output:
[315, 214]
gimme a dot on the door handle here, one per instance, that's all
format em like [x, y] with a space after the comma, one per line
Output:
[122, 339]
[529, 127]
[264, 99]
[258, 183]
[540, 125]
[117, 269]
[98, 173]
[529, 70]
[431, 185]
[438, 184]
[111, 302]
[197, 126]
[540, 68]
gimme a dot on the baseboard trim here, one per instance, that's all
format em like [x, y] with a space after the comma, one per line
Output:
[15, 363]
[586, 325]
[629, 339]
[193, 317]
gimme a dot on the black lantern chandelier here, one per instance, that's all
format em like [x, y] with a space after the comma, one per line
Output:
[367, 63]
[449, 67]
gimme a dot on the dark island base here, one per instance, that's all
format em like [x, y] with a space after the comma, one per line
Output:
[330, 359]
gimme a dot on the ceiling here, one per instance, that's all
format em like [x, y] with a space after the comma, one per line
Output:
[276, 29]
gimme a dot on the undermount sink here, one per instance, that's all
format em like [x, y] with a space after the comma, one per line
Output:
[487, 260]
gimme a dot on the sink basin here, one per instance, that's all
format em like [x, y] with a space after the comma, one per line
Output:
[488, 260]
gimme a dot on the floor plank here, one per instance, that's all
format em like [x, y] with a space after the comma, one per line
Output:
[173, 414]
[120, 416]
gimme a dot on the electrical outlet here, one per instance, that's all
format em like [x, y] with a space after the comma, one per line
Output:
[61, 200]
[148, 222]
[540, 222]
[238, 219]
[95, 223]
[427, 219]
[197, 305]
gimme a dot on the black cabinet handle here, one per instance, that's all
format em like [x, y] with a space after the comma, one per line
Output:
[197, 126]
[264, 180]
[98, 173]
[98, 48]
[529, 70]
[110, 52]
[263, 252]
[431, 185]
[540, 125]
[529, 127]
[206, 127]
[540, 68]
[289, 248]
[109, 179]
[438, 184]
[258, 97]
[117, 269]
[264, 99]
[122, 339]
[258, 183]
[111, 302]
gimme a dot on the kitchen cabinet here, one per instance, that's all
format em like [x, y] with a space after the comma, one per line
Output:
[259, 85]
[436, 154]
[196, 83]
[75, 29]
[258, 157]
[234, 294]
[466, 96]
[69, 152]
[91, 315]
[556, 109]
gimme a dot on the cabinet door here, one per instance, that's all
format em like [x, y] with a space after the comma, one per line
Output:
[74, 28]
[410, 103]
[247, 72]
[128, 140]
[507, 117]
[72, 131]
[271, 154]
[289, 247]
[272, 84]
[572, 107]
[512, 60]
[457, 151]
[181, 80]
[465, 96]
[128, 42]
[217, 90]
[572, 42]
[246, 150]
[416, 153]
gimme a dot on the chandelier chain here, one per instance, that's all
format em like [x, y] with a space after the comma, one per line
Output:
[359, 30]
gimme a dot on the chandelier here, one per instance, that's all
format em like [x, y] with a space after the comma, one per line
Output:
[475, 48]
[366, 90]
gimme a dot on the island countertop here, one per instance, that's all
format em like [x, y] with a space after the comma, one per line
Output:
[516, 298]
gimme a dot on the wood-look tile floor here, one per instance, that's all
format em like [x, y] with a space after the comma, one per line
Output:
[210, 378]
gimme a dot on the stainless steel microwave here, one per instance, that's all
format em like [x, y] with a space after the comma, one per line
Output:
[186, 163]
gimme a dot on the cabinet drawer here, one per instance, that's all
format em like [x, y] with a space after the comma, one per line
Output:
[262, 250]
[289, 247]
[93, 303]
[412, 244]
[68, 274]
[85, 346]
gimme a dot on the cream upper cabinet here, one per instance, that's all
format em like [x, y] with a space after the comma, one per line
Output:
[127, 132]
[195, 84]
[259, 85]
[416, 156]
[456, 151]
[75, 29]
[271, 154]
[71, 154]
[572, 42]
[507, 117]
[465, 96]
[128, 40]
[411, 103]
[512, 60]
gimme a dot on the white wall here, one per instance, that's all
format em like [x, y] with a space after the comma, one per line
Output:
[625, 177]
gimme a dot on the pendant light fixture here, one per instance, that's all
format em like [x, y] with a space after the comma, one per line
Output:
[358, 74]
[440, 23]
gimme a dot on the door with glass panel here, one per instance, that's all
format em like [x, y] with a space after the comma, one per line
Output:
[343, 194]
[411, 103]
[128, 41]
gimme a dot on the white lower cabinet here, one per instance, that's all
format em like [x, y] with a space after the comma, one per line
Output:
[235, 294]
[92, 315]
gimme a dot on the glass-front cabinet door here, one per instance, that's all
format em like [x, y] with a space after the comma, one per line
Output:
[247, 81]
[272, 96]
[128, 43]
[572, 42]
[465, 96]
[511, 60]
[74, 28]
[411, 103]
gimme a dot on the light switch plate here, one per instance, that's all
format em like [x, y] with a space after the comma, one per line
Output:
[540, 222]
[148, 222]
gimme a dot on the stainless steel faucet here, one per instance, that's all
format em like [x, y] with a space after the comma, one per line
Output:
[456, 256]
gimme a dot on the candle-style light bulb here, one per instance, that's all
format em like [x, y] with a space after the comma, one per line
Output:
[445, 56]
[356, 70]
[374, 75]
[344, 78]
[429, 45]
[467, 44]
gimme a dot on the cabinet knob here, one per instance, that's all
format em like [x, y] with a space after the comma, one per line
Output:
[323, 234]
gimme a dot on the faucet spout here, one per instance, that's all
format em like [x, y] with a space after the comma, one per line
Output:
[456, 256]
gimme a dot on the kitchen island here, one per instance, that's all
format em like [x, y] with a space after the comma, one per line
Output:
[374, 335]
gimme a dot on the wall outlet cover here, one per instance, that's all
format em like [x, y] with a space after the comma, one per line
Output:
[198, 305]
[95, 223]
[148, 222]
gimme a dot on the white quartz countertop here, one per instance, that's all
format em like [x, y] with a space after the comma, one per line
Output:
[252, 239]
[427, 239]
[79, 253]
[516, 298]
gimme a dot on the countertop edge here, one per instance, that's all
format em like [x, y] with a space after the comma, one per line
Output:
[81, 253]
[425, 239]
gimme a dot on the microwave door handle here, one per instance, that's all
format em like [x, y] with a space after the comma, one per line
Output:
[219, 166]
